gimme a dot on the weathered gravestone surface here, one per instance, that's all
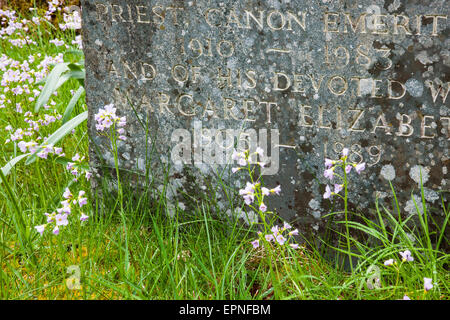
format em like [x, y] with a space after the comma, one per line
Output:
[301, 79]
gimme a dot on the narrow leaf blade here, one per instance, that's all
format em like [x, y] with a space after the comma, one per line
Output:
[50, 85]
[72, 104]
[7, 168]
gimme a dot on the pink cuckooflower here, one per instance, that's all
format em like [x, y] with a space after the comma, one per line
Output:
[67, 194]
[280, 239]
[345, 152]
[236, 155]
[42, 154]
[61, 220]
[56, 231]
[22, 146]
[109, 108]
[389, 262]
[255, 244]
[40, 228]
[76, 157]
[83, 217]
[406, 255]
[294, 245]
[269, 237]
[263, 207]
[65, 209]
[275, 230]
[327, 193]
[338, 188]
[360, 167]
[122, 122]
[69, 165]
[348, 168]
[328, 163]
[248, 199]
[405, 297]
[81, 201]
[276, 190]
[107, 122]
[328, 173]
[427, 285]
[265, 191]
[50, 217]
[294, 232]
[248, 190]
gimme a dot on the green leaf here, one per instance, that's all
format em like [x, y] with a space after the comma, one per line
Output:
[75, 67]
[77, 72]
[7, 168]
[72, 104]
[62, 79]
[64, 130]
[52, 83]
[78, 75]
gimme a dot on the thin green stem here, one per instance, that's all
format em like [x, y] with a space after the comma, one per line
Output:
[346, 215]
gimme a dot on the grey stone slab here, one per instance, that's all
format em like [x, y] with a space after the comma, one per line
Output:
[303, 80]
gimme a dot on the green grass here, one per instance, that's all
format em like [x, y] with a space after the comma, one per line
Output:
[133, 250]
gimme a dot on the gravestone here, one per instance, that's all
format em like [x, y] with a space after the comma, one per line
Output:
[301, 79]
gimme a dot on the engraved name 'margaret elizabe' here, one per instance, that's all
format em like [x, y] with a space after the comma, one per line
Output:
[335, 57]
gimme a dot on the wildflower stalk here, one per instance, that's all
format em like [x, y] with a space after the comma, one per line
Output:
[272, 238]
[397, 277]
[108, 120]
[115, 150]
[347, 231]
[329, 173]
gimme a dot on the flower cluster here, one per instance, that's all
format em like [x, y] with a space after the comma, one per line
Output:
[72, 21]
[53, 7]
[243, 158]
[407, 257]
[278, 235]
[330, 168]
[76, 169]
[253, 195]
[253, 190]
[107, 118]
[20, 85]
[60, 217]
